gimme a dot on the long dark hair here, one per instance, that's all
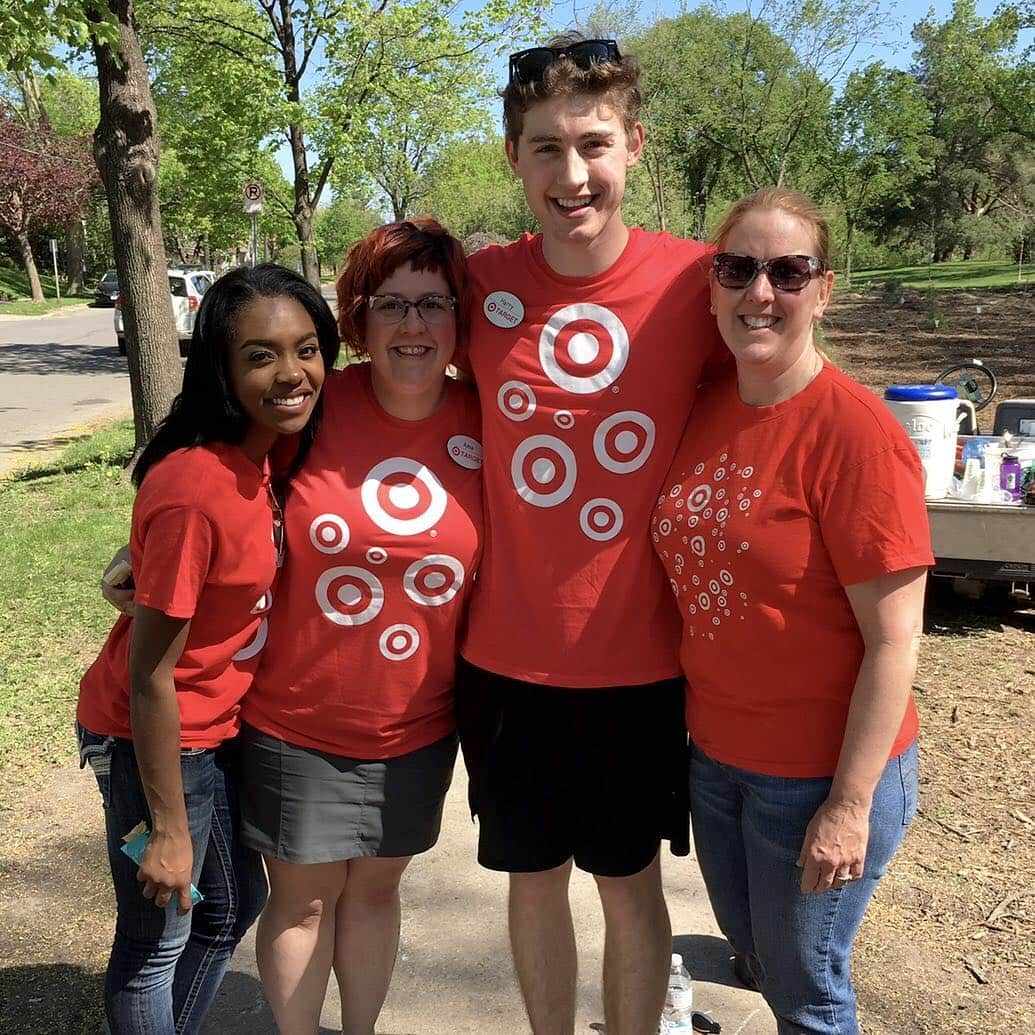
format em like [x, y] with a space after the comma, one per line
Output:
[207, 410]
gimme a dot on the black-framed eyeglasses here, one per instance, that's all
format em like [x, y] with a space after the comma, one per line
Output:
[785, 272]
[391, 309]
[529, 66]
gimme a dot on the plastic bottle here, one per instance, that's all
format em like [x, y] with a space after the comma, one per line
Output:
[1010, 476]
[677, 1016]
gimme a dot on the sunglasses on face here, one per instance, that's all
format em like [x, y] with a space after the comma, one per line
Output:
[785, 272]
[529, 66]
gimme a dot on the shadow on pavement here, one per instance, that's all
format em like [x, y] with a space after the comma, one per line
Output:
[69, 358]
[50, 997]
[707, 957]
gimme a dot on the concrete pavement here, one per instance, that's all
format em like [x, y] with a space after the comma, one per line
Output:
[454, 976]
[57, 372]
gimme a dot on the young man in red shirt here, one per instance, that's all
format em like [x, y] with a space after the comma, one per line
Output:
[588, 342]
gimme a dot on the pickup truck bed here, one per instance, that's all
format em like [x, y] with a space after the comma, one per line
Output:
[983, 541]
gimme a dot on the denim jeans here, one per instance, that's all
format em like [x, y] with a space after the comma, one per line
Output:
[748, 831]
[165, 969]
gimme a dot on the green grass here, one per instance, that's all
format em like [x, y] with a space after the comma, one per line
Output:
[62, 522]
[948, 276]
[14, 283]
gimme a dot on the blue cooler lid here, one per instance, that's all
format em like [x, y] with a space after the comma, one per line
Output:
[919, 393]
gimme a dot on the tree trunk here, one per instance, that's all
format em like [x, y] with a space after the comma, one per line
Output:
[29, 262]
[849, 242]
[75, 256]
[126, 150]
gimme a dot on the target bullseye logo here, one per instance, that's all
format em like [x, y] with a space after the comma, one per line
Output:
[543, 470]
[699, 497]
[601, 519]
[402, 496]
[349, 596]
[624, 441]
[516, 400]
[399, 642]
[433, 580]
[377, 555]
[329, 533]
[256, 643]
[564, 419]
[583, 348]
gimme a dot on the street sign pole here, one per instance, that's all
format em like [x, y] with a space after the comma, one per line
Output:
[54, 256]
[252, 194]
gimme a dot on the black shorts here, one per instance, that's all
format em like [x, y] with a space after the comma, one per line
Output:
[598, 775]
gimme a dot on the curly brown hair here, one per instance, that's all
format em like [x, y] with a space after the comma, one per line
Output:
[617, 82]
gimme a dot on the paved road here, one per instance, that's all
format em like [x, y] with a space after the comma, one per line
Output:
[57, 372]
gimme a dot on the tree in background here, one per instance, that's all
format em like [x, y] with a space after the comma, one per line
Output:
[877, 148]
[471, 188]
[45, 180]
[977, 83]
[340, 225]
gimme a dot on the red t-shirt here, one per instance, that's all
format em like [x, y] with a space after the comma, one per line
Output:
[202, 548]
[383, 530]
[768, 513]
[585, 386]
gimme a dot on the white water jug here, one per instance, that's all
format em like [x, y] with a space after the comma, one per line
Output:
[931, 415]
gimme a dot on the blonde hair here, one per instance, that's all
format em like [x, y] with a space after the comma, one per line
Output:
[785, 200]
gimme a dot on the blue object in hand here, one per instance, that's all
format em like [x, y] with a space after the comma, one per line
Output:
[134, 848]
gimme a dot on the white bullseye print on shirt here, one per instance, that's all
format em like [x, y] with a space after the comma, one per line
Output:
[434, 580]
[403, 497]
[583, 348]
[399, 642]
[516, 400]
[349, 596]
[543, 470]
[624, 441]
[329, 533]
[601, 519]
[255, 644]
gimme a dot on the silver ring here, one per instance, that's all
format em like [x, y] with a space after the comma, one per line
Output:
[845, 878]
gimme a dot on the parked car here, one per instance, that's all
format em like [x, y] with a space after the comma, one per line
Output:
[187, 288]
[107, 289]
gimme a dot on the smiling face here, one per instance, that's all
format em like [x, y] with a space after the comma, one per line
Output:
[572, 158]
[409, 359]
[276, 370]
[770, 331]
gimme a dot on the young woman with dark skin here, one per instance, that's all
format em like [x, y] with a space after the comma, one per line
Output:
[158, 710]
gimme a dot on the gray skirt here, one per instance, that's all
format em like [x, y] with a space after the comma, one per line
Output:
[299, 805]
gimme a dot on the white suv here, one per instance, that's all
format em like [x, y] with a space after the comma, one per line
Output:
[187, 288]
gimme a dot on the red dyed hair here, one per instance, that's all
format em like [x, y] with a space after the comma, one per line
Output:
[424, 244]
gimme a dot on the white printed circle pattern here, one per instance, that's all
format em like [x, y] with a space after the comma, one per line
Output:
[433, 580]
[601, 519]
[256, 643]
[584, 361]
[399, 642]
[357, 595]
[549, 477]
[624, 441]
[329, 533]
[516, 400]
[402, 496]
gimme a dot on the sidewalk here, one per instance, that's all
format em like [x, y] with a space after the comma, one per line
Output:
[454, 976]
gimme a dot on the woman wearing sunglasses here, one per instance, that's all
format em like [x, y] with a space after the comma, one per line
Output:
[349, 738]
[794, 533]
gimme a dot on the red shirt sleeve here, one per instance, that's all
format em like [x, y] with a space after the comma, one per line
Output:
[874, 520]
[177, 551]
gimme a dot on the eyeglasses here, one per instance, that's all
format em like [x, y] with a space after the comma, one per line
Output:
[785, 272]
[529, 66]
[391, 309]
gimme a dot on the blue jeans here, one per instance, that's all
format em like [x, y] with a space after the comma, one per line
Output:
[165, 969]
[748, 831]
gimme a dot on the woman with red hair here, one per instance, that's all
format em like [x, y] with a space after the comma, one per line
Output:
[349, 738]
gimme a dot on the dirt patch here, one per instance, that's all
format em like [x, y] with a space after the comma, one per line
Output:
[949, 944]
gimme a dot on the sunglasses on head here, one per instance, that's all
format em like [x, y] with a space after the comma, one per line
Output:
[785, 272]
[529, 66]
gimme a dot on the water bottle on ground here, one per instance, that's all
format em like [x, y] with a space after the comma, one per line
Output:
[677, 1016]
